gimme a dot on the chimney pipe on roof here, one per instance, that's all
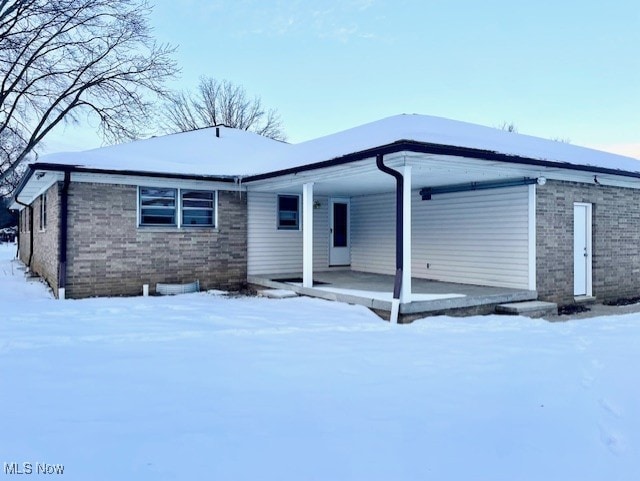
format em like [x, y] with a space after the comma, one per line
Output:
[217, 131]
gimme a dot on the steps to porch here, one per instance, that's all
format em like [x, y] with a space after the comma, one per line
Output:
[277, 293]
[528, 308]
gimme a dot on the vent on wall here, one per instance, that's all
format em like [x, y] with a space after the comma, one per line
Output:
[173, 289]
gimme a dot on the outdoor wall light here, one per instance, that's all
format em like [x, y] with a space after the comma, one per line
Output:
[316, 204]
[542, 180]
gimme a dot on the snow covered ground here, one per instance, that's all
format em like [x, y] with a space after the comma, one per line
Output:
[204, 387]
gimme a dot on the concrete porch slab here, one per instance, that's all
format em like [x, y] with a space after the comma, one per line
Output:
[374, 291]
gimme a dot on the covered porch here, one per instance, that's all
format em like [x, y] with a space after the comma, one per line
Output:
[405, 232]
[375, 291]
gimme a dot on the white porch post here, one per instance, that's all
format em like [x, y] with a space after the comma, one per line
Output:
[532, 237]
[307, 235]
[405, 293]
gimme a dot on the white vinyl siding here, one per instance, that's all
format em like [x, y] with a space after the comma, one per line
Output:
[373, 241]
[470, 237]
[274, 251]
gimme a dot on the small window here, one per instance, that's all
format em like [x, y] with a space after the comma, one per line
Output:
[43, 212]
[198, 208]
[157, 206]
[288, 212]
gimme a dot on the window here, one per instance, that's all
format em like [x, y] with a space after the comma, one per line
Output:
[157, 206]
[198, 208]
[288, 212]
[43, 211]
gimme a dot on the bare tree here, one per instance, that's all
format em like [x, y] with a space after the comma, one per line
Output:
[508, 127]
[11, 146]
[220, 102]
[511, 127]
[60, 59]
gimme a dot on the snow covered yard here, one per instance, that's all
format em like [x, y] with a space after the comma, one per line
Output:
[203, 387]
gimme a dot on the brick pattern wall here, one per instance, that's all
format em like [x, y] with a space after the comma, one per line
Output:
[109, 255]
[616, 240]
[44, 261]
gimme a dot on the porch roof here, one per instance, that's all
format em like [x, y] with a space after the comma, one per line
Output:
[438, 136]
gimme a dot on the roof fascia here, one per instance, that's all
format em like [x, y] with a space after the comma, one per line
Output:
[138, 173]
[43, 166]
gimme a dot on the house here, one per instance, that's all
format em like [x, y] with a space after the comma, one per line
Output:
[411, 198]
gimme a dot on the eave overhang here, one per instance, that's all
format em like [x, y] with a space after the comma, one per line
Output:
[440, 149]
[48, 167]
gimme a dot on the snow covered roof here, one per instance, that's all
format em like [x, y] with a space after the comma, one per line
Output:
[241, 153]
[199, 152]
[440, 131]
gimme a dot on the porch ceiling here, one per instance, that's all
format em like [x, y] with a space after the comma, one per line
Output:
[363, 177]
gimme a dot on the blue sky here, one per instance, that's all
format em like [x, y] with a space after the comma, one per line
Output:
[563, 68]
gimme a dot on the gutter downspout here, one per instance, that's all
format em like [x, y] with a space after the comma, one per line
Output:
[397, 286]
[63, 236]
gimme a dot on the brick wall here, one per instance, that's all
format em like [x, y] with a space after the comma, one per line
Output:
[616, 240]
[109, 255]
[44, 261]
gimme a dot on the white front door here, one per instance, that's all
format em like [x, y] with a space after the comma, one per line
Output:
[582, 249]
[339, 245]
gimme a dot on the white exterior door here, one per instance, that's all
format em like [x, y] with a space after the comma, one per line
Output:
[339, 244]
[582, 249]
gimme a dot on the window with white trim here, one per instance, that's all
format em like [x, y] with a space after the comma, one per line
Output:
[164, 206]
[43, 211]
[158, 206]
[288, 212]
[198, 208]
